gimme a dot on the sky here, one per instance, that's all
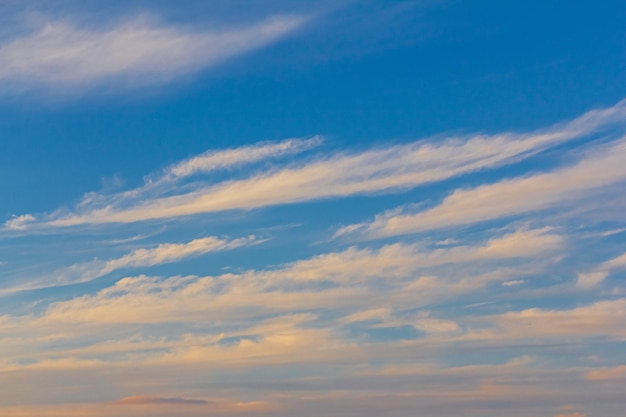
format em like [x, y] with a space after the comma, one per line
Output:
[312, 208]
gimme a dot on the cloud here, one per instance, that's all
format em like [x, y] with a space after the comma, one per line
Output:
[338, 280]
[390, 169]
[19, 222]
[521, 243]
[169, 252]
[199, 167]
[599, 319]
[600, 168]
[470, 323]
[614, 373]
[231, 158]
[591, 279]
[139, 400]
[616, 263]
[144, 257]
[257, 354]
[140, 51]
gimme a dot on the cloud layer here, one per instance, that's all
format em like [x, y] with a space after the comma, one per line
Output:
[604, 167]
[392, 169]
[451, 303]
[163, 253]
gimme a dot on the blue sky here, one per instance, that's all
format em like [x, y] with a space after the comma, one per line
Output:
[312, 208]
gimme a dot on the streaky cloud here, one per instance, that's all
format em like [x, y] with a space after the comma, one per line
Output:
[594, 277]
[19, 222]
[391, 169]
[302, 284]
[236, 157]
[598, 169]
[163, 253]
[61, 55]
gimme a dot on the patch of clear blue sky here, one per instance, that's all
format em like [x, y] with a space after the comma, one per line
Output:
[422, 68]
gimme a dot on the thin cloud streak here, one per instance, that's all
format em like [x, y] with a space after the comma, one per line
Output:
[406, 268]
[140, 51]
[600, 168]
[212, 161]
[393, 169]
[145, 257]
[232, 158]
[598, 275]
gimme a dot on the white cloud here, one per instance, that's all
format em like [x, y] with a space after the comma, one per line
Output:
[19, 222]
[139, 51]
[291, 316]
[169, 252]
[144, 257]
[352, 274]
[509, 197]
[522, 243]
[230, 158]
[602, 318]
[608, 373]
[616, 263]
[392, 169]
[211, 161]
[595, 277]
[590, 279]
[324, 335]
[294, 314]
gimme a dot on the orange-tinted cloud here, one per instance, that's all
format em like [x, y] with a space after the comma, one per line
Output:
[607, 374]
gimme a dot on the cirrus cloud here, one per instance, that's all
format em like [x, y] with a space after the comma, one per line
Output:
[139, 51]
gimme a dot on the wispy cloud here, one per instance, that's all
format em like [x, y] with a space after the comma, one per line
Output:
[233, 158]
[61, 54]
[298, 317]
[608, 373]
[591, 278]
[600, 319]
[337, 280]
[145, 257]
[19, 222]
[600, 168]
[392, 169]
[460, 301]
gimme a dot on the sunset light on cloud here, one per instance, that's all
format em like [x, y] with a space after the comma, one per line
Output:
[312, 208]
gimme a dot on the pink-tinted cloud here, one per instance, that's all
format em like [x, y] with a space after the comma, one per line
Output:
[608, 374]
